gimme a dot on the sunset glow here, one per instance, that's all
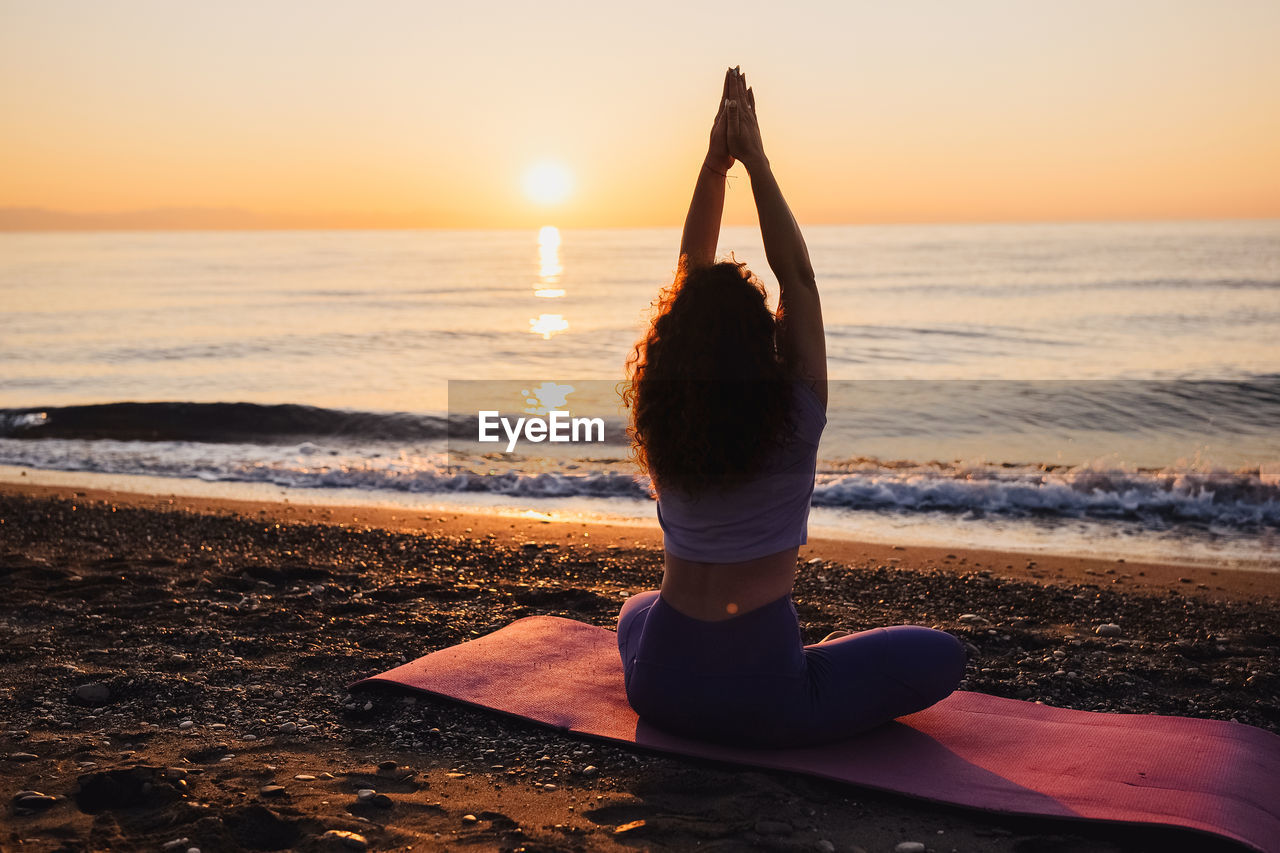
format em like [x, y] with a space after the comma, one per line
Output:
[329, 115]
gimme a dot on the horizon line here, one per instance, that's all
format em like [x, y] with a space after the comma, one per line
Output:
[72, 226]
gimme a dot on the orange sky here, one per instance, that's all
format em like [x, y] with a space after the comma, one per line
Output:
[371, 114]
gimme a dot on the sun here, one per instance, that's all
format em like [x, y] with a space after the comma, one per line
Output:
[547, 183]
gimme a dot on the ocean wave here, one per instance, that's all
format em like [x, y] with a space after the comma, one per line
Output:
[1244, 500]
[1211, 499]
[1058, 410]
[310, 465]
[216, 423]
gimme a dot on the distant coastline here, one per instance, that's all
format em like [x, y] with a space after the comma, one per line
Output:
[22, 219]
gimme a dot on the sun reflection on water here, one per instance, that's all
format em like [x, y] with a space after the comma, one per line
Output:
[549, 267]
[549, 270]
[548, 325]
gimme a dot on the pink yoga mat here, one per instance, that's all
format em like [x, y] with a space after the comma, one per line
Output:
[972, 750]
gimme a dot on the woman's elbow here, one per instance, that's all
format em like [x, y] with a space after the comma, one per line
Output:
[800, 275]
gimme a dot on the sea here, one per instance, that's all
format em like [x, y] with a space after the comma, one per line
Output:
[1105, 389]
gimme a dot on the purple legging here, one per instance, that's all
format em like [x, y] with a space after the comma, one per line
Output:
[750, 680]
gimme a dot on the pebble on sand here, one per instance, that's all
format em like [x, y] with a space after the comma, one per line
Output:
[909, 847]
[34, 800]
[1108, 630]
[365, 794]
[341, 839]
[773, 827]
[92, 694]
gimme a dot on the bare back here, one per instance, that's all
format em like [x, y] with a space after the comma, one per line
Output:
[715, 591]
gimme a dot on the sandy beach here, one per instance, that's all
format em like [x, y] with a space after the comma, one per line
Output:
[175, 671]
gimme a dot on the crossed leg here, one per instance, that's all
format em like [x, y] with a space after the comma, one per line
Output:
[861, 680]
[851, 683]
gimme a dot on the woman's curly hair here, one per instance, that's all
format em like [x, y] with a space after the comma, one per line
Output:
[708, 391]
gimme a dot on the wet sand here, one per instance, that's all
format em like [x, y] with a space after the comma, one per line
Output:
[174, 669]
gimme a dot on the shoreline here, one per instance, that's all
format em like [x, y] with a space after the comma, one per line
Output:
[193, 655]
[1130, 575]
[1060, 537]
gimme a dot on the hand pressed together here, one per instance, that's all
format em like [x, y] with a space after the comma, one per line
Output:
[718, 156]
[735, 134]
[742, 124]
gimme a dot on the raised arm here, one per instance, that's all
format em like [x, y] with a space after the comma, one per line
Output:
[702, 224]
[801, 337]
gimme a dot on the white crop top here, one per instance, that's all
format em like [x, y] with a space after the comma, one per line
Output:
[767, 514]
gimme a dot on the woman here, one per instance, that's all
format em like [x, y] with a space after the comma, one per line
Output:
[728, 403]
